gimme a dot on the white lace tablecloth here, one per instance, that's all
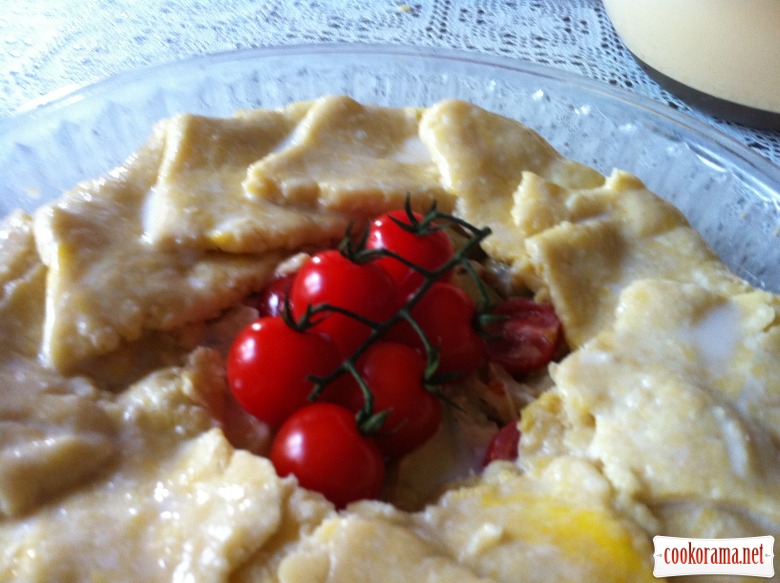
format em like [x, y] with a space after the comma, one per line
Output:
[53, 46]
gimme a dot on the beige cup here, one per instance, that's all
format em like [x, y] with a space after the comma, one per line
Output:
[720, 55]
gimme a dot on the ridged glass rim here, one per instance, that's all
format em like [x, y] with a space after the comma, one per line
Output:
[54, 102]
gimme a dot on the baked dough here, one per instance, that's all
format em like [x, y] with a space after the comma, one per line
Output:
[123, 456]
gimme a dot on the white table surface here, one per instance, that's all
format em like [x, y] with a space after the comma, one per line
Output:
[54, 46]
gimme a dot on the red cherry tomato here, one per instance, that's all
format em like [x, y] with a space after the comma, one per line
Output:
[394, 374]
[268, 365]
[429, 251]
[275, 294]
[321, 446]
[363, 288]
[527, 339]
[445, 313]
[504, 444]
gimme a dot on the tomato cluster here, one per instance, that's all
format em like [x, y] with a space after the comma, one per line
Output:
[344, 362]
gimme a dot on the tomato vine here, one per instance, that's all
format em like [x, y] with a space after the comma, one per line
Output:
[356, 251]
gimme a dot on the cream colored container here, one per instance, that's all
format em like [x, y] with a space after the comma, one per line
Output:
[721, 55]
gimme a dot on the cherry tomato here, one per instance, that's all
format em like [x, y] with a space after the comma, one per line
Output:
[429, 251]
[394, 374]
[321, 446]
[268, 365]
[527, 339]
[445, 313]
[362, 288]
[274, 295]
[504, 444]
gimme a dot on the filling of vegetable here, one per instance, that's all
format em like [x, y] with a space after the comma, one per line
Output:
[357, 354]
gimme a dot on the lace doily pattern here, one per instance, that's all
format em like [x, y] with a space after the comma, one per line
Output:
[51, 46]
